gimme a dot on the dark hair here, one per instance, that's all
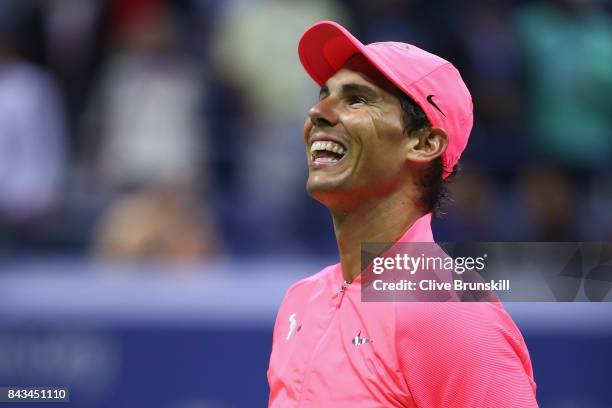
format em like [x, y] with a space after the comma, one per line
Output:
[434, 187]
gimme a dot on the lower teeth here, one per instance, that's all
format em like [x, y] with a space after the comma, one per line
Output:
[326, 160]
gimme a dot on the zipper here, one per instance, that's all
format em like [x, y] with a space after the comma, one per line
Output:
[342, 292]
[308, 368]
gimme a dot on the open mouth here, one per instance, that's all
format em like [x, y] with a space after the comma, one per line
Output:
[326, 151]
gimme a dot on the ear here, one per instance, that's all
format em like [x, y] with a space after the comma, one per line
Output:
[426, 144]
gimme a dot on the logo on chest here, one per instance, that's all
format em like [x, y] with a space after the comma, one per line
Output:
[293, 326]
[358, 340]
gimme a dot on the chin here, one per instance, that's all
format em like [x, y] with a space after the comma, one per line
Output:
[318, 190]
[328, 192]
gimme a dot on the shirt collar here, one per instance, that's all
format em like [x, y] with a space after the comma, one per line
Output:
[419, 231]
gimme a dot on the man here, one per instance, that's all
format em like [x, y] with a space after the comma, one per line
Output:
[388, 129]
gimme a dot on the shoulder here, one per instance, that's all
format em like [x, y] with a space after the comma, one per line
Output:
[300, 293]
[456, 324]
[305, 286]
[471, 351]
[476, 336]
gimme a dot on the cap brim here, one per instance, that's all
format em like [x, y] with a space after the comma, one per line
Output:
[325, 47]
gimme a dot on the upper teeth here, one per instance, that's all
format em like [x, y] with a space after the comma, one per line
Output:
[329, 146]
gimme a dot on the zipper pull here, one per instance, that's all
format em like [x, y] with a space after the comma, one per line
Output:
[342, 291]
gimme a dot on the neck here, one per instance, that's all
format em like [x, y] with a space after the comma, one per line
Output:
[383, 219]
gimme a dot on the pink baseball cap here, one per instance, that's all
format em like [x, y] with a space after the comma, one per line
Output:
[432, 82]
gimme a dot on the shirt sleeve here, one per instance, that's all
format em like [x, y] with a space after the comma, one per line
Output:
[463, 355]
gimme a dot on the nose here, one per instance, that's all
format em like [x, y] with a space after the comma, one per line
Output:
[324, 113]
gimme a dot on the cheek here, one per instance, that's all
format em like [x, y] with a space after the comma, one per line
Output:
[389, 125]
[387, 152]
[361, 129]
[390, 134]
[307, 129]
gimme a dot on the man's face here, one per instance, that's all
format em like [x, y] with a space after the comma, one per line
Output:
[354, 136]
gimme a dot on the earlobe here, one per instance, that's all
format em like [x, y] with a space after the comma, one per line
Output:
[427, 144]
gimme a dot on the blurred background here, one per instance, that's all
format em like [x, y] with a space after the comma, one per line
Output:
[152, 172]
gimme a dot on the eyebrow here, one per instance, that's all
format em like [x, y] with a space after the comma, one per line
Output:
[351, 88]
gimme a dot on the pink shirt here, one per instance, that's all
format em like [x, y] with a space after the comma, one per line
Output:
[331, 350]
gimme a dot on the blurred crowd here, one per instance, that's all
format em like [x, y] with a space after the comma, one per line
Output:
[157, 129]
